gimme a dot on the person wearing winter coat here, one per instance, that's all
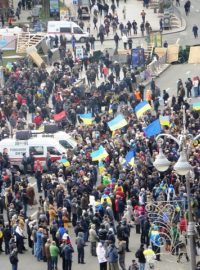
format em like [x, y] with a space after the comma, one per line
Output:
[141, 258]
[93, 240]
[122, 252]
[112, 257]
[66, 253]
[80, 247]
[101, 255]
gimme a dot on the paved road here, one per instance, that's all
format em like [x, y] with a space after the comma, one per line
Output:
[170, 77]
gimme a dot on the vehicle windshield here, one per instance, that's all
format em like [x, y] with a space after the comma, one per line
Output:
[65, 144]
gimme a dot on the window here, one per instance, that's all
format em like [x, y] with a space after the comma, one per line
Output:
[65, 144]
[36, 150]
[53, 151]
[77, 30]
[65, 29]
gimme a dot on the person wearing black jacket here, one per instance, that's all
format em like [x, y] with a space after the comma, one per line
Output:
[7, 237]
[102, 233]
[141, 258]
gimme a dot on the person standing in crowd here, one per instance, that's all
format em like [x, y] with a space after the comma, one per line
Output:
[54, 252]
[101, 255]
[116, 39]
[141, 258]
[14, 258]
[125, 41]
[80, 247]
[122, 252]
[66, 253]
[93, 239]
[112, 257]
[48, 254]
[38, 175]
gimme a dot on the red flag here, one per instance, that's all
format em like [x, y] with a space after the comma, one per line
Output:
[59, 116]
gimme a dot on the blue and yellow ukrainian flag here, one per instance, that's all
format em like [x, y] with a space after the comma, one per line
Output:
[155, 238]
[118, 122]
[142, 107]
[86, 118]
[110, 109]
[99, 154]
[196, 106]
[164, 120]
[65, 162]
[130, 158]
[101, 167]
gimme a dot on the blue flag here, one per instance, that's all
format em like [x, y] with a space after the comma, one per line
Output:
[130, 158]
[153, 129]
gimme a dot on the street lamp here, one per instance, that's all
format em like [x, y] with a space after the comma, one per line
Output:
[161, 163]
[182, 167]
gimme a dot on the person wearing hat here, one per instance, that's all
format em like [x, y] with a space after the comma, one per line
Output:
[66, 254]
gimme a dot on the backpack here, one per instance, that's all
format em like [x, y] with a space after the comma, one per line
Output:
[137, 254]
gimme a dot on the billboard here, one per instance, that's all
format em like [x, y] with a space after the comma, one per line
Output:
[7, 43]
[137, 57]
[155, 37]
[172, 53]
[54, 8]
[194, 56]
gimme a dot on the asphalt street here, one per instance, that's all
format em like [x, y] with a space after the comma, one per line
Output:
[182, 38]
[168, 80]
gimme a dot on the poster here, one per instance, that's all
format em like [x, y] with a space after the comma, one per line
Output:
[194, 56]
[54, 8]
[79, 53]
[65, 13]
[155, 38]
[137, 57]
[172, 53]
[8, 43]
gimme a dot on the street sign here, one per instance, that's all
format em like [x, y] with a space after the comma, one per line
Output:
[75, 2]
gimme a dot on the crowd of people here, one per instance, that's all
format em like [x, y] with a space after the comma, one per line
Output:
[104, 203]
[67, 218]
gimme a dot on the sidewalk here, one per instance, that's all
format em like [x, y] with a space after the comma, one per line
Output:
[133, 11]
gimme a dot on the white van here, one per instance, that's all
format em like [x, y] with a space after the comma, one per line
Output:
[68, 29]
[62, 137]
[39, 147]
